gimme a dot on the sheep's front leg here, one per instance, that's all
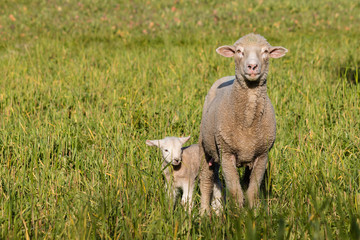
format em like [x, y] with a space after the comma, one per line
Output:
[206, 184]
[256, 177]
[231, 177]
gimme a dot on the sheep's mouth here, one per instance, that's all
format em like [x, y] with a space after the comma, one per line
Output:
[252, 76]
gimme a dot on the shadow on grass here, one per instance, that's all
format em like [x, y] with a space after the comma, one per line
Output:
[350, 71]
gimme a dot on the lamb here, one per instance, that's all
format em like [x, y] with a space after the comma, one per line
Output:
[182, 175]
[238, 123]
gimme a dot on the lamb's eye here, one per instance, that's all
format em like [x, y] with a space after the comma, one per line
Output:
[166, 150]
[238, 51]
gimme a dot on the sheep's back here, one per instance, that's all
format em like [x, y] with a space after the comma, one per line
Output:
[219, 86]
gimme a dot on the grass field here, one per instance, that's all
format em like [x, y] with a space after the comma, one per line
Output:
[85, 83]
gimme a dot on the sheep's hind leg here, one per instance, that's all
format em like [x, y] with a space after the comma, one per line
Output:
[216, 201]
[256, 177]
[231, 177]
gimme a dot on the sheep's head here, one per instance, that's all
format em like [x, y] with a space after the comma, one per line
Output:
[251, 53]
[170, 148]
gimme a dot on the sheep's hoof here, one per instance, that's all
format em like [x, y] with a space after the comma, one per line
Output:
[205, 212]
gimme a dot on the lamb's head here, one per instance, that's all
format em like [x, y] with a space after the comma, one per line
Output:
[170, 148]
[251, 53]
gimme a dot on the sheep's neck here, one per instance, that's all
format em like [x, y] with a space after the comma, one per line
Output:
[249, 101]
[170, 170]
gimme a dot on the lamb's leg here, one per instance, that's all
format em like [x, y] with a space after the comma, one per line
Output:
[256, 177]
[231, 177]
[186, 199]
[172, 192]
[185, 195]
[206, 182]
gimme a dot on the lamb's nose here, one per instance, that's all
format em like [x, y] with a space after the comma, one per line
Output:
[252, 67]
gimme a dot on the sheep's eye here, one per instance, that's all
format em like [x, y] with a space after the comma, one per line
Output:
[240, 53]
[265, 53]
[166, 150]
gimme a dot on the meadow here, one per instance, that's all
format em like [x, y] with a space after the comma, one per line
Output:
[83, 84]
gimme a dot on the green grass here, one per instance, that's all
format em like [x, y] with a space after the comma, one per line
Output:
[85, 83]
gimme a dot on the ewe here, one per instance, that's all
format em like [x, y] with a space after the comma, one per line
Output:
[185, 163]
[238, 123]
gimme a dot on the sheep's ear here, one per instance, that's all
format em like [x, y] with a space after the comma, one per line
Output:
[226, 51]
[153, 143]
[184, 139]
[277, 52]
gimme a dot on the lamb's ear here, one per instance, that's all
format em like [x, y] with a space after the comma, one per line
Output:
[184, 139]
[153, 143]
[226, 51]
[277, 52]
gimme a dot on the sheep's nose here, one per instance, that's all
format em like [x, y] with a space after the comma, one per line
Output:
[252, 67]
